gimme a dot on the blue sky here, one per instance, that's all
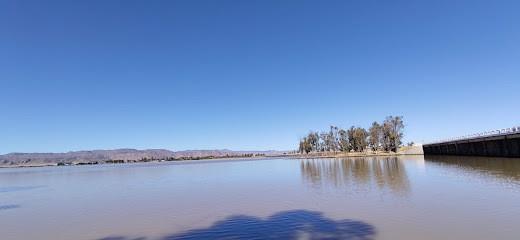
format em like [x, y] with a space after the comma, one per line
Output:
[250, 75]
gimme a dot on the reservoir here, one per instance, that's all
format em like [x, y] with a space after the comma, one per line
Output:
[407, 197]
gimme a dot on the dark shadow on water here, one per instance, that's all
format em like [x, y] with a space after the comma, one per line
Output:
[122, 238]
[296, 224]
[9, 206]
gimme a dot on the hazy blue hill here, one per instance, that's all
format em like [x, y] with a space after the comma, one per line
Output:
[117, 154]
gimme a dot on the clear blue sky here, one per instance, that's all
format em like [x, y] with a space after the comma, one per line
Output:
[250, 75]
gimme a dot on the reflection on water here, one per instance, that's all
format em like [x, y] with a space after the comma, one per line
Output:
[385, 173]
[295, 224]
[506, 168]
[404, 198]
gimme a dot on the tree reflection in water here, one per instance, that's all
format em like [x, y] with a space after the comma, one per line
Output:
[383, 172]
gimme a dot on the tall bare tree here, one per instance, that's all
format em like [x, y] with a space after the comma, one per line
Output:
[392, 133]
[305, 146]
[375, 136]
[343, 141]
[334, 138]
[357, 138]
[324, 142]
[360, 139]
[314, 140]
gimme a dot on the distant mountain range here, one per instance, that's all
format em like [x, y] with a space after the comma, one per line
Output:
[120, 155]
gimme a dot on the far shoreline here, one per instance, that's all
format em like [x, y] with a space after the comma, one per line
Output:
[126, 162]
[404, 151]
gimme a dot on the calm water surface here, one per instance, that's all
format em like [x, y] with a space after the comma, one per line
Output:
[355, 198]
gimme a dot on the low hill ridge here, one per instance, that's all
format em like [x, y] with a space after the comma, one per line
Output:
[126, 154]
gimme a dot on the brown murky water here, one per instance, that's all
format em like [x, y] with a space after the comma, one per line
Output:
[356, 198]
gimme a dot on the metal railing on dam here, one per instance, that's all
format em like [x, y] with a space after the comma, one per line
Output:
[497, 143]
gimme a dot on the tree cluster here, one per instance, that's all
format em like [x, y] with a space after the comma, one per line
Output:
[385, 136]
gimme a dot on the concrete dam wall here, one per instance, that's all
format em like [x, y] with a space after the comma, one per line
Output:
[497, 145]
